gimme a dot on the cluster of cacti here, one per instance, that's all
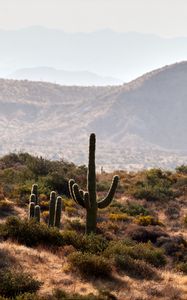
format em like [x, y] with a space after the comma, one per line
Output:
[88, 200]
[55, 207]
[34, 208]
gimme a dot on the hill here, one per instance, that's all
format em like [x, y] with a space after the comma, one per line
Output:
[80, 78]
[138, 124]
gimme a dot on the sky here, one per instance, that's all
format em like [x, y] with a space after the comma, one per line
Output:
[167, 18]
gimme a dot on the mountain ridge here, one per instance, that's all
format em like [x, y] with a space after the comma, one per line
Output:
[138, 124]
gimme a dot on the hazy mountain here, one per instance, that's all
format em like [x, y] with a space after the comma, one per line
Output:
[139, 124]
[62, 77]
[120, 55]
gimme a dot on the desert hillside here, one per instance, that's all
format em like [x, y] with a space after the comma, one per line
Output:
[142, 123]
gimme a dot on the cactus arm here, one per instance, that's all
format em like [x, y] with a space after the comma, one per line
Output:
[108, 199]
[81, 193]
[77, 195]
[87, 200]
[70, 185]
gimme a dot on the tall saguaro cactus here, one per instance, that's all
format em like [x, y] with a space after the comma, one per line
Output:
[88, 200]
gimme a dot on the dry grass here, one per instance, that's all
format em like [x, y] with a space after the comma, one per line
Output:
[53, 271]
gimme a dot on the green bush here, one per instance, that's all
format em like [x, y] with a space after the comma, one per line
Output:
[145, 252]
[181, 169]
[31, 233]
[90, 264]
[134, 209]
[13, 283]
[157, 185]
[135, 268]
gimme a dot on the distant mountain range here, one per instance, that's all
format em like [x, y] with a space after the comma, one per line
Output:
[105, 53]
[138, 124]
[62, 77]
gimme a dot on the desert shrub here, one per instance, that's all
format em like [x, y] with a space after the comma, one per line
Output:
[71, 211]
[118, 217]
[30, 233]
[68, 202]
[92, 243]
[173, 211]
[144, 234]
[146, 252]
[90, 264]
[6, 260]
[181, 169]
[45, 216]
[134, 209]
[174, 246]
[13, 283]
[75, 224]
[6, 207]
[135, 268]
[157, 185]
[182, 267]
[147, 220]
[185, 219]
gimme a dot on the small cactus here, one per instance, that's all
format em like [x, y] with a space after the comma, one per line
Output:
[34, 191]
[52, 208]
[58, 211]
[31, 210]
[88, 200]
[37, 213]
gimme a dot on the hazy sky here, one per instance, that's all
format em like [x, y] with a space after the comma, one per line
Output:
[162, 17]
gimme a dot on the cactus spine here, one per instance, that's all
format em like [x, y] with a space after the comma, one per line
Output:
[58, 211]
[88, 200]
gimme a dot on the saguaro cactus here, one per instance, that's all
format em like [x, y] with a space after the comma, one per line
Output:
[88, 200]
